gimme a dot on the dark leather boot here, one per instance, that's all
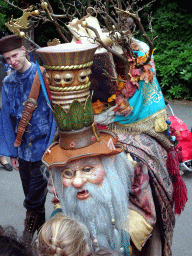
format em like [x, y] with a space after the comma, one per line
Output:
[40, 221]
[33, 222]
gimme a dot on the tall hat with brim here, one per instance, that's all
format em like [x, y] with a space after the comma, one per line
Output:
[9, 43]
[72, 106]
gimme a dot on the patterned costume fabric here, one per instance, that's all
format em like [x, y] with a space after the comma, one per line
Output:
[39, 133]
[155, 203]
[146, 101]
[152, 188]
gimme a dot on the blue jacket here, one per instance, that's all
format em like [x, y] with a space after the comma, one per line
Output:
[39, 133]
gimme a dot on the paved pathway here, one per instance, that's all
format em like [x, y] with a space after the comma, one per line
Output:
[11, 201]
[13, 213]
[182, 242]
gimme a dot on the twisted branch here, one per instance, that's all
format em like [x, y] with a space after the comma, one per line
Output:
[13, 5]
[98, 39]
[58, 27]
[138, 21]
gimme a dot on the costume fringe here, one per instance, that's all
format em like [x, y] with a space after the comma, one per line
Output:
[139, 126]
[180, 191]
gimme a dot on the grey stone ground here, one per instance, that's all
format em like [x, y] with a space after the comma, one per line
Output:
[13, 213]
[182, 242]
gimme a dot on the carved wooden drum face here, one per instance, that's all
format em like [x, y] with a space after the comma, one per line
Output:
[68, 78]
[67, 85]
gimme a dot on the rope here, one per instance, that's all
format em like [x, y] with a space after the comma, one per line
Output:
[72, 88]
[86, 65]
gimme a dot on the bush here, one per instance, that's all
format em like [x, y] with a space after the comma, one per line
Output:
[173, 55]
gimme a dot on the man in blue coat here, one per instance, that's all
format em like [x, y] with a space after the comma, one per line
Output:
[26, 157]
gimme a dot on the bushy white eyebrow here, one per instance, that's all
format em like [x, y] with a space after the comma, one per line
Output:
[84, 163]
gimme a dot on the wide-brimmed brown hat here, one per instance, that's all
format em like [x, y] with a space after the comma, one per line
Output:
[57, 156]
[9, 43]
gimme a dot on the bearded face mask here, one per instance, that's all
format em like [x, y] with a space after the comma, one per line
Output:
[80, 172]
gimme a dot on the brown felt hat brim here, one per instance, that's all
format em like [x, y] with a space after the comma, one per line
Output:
[56, 156]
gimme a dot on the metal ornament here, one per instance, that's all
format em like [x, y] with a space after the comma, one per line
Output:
[15, 25]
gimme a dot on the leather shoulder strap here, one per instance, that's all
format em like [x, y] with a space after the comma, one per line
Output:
[34, 93]
[30, 106]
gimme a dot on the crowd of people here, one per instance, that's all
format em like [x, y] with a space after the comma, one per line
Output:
[113, 195]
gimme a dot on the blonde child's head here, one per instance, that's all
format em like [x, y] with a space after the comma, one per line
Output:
[62, 236]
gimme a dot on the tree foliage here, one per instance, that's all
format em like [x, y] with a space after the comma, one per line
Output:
[173, 55]
[6, 11]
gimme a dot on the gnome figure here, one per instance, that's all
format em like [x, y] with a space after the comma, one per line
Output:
[90, 171]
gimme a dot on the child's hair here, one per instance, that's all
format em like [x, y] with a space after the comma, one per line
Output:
[62, 236]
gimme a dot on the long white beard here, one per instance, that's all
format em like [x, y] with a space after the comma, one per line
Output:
[106, 209]
[96, 212]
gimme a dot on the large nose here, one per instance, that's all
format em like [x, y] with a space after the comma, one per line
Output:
[62, 82]
[79, 180]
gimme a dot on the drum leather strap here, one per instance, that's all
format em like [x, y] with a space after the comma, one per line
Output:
[30, 105]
